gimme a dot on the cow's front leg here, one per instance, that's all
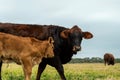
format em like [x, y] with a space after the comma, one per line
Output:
[105, 63]
[41, 68]
[0, 70]
[56, 62]
[60, 70]
[27, 68]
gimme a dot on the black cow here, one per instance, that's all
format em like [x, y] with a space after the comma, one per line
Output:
[67, 42]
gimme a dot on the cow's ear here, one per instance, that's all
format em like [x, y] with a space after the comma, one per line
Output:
[87, 35]
[50, 39]
[64, 34]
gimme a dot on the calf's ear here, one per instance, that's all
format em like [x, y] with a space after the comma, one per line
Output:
[64, 34]
[34, 39]
[87, 35]
[50, 39]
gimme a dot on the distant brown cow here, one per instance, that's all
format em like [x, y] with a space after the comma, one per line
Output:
[109, 59]
[25, 51]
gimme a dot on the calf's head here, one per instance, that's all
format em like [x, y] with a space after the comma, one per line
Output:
[75, 36]
[49, 48]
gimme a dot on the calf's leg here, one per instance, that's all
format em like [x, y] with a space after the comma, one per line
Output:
[27, 68]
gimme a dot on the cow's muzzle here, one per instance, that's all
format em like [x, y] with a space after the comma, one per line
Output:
[76, 48]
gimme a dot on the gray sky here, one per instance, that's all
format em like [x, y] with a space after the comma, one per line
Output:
[100, 17]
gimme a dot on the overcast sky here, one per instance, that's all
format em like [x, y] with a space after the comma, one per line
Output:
[100, 17]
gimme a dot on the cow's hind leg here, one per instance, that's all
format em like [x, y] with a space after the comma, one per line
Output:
[0, 69]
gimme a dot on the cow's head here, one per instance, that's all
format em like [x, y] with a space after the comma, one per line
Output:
[75, 36]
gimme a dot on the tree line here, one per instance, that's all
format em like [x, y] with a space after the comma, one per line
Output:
[91, 60]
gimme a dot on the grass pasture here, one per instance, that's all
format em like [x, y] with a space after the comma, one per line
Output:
[82, 71]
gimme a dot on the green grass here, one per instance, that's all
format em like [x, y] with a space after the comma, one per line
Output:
[82, 71]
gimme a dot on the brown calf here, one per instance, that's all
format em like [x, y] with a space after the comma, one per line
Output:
[25, 51]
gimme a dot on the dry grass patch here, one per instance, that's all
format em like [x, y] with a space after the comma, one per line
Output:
[82, 71]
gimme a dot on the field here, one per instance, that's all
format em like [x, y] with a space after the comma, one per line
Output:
[82, 71]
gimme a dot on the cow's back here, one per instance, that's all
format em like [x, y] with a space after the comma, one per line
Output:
[25, 30]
